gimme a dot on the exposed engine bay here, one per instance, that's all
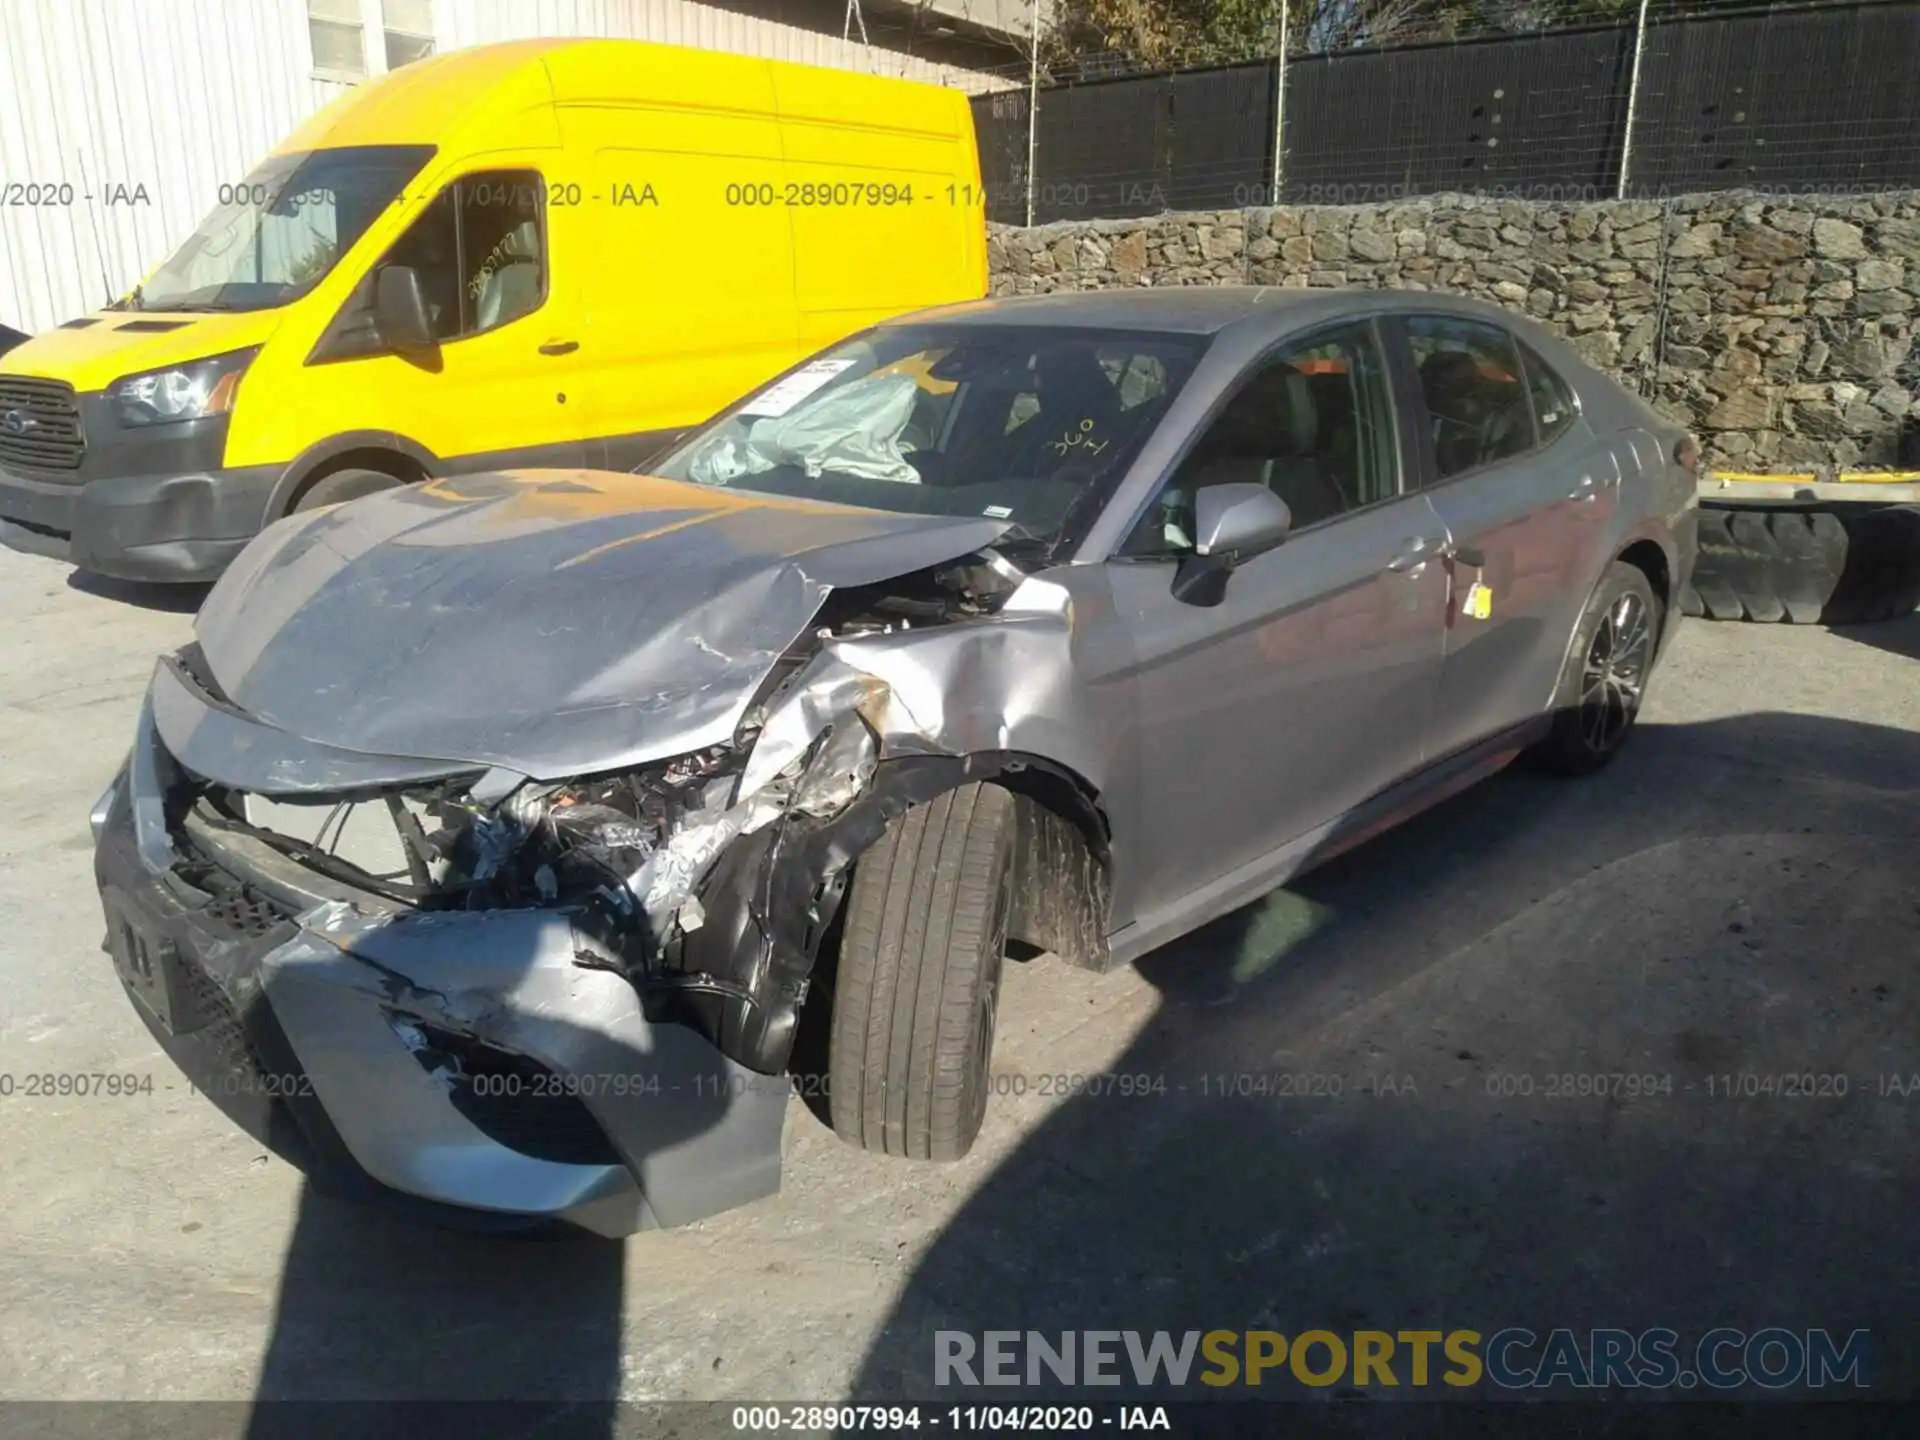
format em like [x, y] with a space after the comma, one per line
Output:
[635, 858]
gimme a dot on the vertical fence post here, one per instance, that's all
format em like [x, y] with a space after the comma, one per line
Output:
[1279, 106]
[1033, 100]
[1633, 98]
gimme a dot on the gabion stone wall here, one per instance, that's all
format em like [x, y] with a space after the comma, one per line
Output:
[1781, 329]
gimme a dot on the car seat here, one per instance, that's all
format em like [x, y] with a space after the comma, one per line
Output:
[1078, 415]
[1275, 417]
[512, 287]
[1455, 395]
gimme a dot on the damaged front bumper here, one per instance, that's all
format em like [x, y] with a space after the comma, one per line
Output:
[476, 1066]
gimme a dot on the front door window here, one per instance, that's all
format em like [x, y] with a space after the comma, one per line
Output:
[480, 251]
[1313, 423]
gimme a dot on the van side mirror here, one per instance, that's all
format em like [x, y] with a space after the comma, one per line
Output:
[1232, 523]
[400, 316]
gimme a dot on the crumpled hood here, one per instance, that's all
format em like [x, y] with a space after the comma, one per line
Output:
[553, 623]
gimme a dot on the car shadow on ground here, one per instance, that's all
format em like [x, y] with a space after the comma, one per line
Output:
[173, 599]
[1896, 637]
[374, 1308]
[483, 1329]
[1406, 1141]
[1731, 898]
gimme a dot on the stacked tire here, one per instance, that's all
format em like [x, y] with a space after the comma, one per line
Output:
[1841, 565]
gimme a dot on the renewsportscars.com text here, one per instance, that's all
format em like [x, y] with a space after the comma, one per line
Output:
[1514, 1358]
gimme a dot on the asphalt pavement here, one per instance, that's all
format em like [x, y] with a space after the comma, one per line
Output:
[1739, 896]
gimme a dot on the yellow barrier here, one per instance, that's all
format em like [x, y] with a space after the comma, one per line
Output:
[1808, 477]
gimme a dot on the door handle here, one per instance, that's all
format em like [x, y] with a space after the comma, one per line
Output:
[1586, 492]
[559, 347]
[1412, 556]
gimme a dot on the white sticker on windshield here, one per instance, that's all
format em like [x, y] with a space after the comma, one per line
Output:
[997, 512]
[779, 399]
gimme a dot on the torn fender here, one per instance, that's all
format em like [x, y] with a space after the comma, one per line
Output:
[771, 898]
[1008, 683]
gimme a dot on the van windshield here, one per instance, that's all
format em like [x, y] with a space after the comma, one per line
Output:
[1019, 423]
[275, 235]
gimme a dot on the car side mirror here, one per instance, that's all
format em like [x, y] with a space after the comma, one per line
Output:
[1232, 523]
[400, 316]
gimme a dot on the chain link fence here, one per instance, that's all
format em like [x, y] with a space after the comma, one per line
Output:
[1383, 100]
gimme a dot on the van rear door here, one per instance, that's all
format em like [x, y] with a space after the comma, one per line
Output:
[888, 214]
[689, 290]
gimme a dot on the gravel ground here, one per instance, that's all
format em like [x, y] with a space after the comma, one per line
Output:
[1737, 896]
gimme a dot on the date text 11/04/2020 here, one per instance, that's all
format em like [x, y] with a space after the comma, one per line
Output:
[987, 1419]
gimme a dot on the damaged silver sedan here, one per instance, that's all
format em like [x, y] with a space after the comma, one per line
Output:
[502, 847]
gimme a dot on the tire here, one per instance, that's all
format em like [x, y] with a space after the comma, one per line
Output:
[1598, 698]
[1882, 576]
[1836, 567]
[344, 485]
[918, 980]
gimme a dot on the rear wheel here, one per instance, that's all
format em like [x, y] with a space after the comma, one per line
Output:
[1606, 674]
[918, 980]
[344, 485]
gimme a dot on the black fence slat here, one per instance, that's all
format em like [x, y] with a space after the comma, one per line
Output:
[1538, 116]
[1103, 150]
[1000, 130]
[1808, 100]
[1222, 142]
[1802, 98]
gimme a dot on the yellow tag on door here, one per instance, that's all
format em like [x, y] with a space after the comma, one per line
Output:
[1478, 604]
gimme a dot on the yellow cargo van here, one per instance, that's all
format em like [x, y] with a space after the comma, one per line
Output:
[546, 252]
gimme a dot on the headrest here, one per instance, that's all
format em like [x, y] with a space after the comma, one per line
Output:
[1303, 415]
[1279, 399]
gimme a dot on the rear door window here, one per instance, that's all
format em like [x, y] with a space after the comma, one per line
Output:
[1475, 390]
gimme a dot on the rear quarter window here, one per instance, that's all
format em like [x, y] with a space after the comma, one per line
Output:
[1554, 406]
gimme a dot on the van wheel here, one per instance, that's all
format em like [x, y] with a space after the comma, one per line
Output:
[1600, 691]
[918, 979]
[344, 485]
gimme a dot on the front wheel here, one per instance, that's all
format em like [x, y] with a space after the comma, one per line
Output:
[344, 485]
[1606, 673]
[918, 980]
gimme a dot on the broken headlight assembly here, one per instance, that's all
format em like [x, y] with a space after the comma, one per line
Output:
[839, 770]
[626, 851]
[597, 839]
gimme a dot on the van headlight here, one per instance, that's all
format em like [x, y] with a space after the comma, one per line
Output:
[184, 392]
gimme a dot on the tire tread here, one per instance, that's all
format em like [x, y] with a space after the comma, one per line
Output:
[1835, 567]
[919, 942]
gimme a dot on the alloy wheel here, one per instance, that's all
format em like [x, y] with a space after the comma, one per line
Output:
[1615, 674]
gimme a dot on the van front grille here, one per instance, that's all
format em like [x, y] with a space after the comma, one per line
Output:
[39, 424]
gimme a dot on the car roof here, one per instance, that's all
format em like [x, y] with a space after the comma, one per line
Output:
[1204, 309]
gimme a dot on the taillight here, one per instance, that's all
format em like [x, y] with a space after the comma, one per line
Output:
[1686, 452]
